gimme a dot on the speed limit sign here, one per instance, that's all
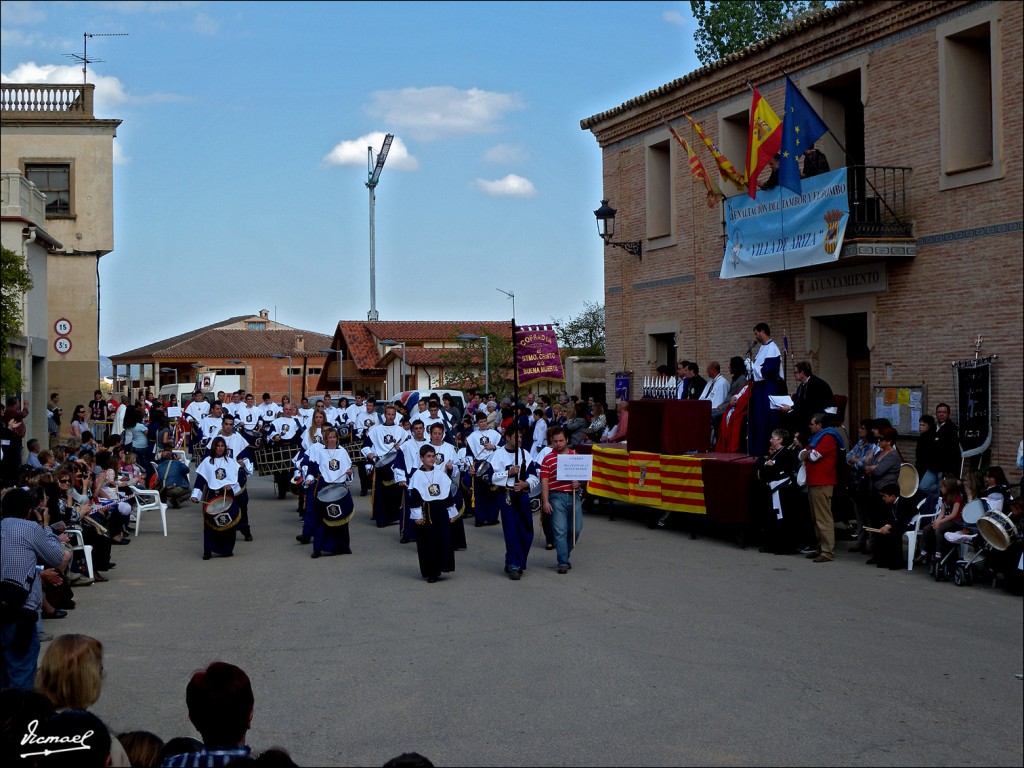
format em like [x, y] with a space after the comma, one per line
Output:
[62, 327]
[62, 345]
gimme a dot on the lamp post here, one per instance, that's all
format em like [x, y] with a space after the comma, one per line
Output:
[487, 356]
[605, 216]
[171, 370]
[401, 367]
[341, 357]
[245, 367]
[289, 358]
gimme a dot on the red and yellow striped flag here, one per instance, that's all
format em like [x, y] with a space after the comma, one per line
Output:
[697, 168]
[728, 170]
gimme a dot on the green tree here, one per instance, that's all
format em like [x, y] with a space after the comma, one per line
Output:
[464, 364]
[584, 333]
[15, 282]
[729, 26]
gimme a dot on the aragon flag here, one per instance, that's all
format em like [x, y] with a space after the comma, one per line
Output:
[697, 168]
[763, 141]
[727, 169]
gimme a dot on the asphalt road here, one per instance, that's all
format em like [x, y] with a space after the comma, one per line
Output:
[654, 650]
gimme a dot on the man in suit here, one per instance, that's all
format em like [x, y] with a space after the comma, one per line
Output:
[812, 395]
[695, 383]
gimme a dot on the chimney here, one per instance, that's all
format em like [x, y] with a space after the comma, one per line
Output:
[265, 314]
[300, 344]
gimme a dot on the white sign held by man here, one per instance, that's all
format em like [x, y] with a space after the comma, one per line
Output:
[576, 466]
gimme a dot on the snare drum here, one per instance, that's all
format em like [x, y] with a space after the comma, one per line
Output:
[998, 529]
[908, 481]
[331, 506]
[975, 510]
[220, 512]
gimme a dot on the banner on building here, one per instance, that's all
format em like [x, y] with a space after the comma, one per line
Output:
[974, 398]
[536, 353]
[780, 229]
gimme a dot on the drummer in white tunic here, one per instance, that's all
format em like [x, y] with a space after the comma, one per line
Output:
[220, 485]
[381, 443]
[328, 473]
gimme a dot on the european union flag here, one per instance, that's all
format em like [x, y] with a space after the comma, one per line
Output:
[801, 127]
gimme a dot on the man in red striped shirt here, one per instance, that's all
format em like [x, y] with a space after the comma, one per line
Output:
[558, 498]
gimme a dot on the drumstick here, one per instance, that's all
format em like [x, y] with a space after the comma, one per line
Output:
[872, 530]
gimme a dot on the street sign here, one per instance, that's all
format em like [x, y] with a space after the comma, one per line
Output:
[62, 344]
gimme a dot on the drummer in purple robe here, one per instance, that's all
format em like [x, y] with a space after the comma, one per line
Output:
[328, 472]
[381, 444]
[220, 486]
[764, 372]
[480, 447]
[431, 494]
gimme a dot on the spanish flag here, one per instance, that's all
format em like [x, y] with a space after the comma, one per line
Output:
[697, 168]
[763, 141]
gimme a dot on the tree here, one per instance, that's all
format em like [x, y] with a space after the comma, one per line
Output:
[729, 26]
[464, 365]
[15, 282]
[583, 334]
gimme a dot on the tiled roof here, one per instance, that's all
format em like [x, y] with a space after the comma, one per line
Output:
[362, 338]
[435, 356]
[793, 28]
[217, 342]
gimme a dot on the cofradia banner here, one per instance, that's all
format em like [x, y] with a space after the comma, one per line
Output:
[782, 230]
[536, 351]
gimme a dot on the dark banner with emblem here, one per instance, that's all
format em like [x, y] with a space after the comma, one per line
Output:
[974, 400]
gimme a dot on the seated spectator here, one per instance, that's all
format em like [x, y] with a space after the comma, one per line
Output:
[79, 422]
[32, 459]
[89, 444]
[142, 747]
[619, 433]
[220, 705]
[895, 518]
[179, 745]
[860, 486]
[172, 479]
[595, 430]
[576, 425]
[98, 745]
[949, 518]
[71, 674]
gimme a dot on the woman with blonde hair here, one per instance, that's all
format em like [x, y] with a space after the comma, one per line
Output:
[71, 675]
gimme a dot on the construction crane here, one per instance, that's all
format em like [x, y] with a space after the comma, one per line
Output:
[373, 177]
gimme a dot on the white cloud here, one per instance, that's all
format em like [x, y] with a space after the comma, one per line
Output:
[24, 13]
[353, 152]
[505, 154]
[120, 158]
[673, 17]
[129, 7]
[510, 186]
[431, 113]
[109, 93]
[207, 26]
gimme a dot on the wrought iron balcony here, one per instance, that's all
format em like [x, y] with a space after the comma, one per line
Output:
[878, 202]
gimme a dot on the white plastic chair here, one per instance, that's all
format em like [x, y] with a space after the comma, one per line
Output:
[148, 500]
[78, 545]
[919, 521]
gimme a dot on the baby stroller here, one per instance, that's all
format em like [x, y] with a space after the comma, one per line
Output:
[966, 545]
[971, 566]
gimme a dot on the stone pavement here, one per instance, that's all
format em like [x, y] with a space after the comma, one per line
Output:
[654, 650]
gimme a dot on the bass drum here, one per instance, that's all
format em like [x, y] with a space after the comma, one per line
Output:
[975, 510]
[535, 505]
[998, 530]
[334, 505]
[908, 481]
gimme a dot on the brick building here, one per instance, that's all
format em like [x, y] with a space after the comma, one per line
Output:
[253, 348]
[924, 99]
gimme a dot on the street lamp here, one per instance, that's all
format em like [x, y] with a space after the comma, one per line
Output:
[401, 367]
[289, 358]
[245, 367]
[605, 216]
[171, 370]
[487, 356]
[341, 356]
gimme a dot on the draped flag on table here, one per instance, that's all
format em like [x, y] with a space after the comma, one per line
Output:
[801, 127]
[536, 353]
[697, 168]
[763, 140]
[727, 169]
[671, 483]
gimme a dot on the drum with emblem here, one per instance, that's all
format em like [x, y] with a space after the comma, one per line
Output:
[220, 510]
[334, 504]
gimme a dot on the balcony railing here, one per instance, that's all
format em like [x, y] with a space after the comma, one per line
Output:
[47, 101]
[878, 202]
[19, 197]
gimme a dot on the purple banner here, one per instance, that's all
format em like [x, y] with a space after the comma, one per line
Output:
[536, 350]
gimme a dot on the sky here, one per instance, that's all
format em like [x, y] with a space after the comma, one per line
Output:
[241, 162]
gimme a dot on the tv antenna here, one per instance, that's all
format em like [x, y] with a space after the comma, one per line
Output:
[84, 58]
[373, 177]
